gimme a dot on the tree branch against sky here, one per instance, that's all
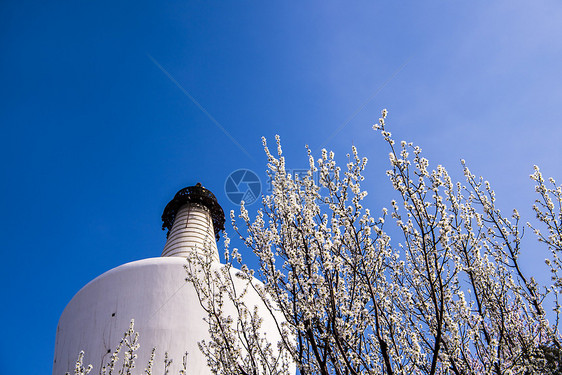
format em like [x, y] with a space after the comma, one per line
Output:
[446, 295]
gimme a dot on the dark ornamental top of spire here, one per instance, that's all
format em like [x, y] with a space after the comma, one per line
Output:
[194, 194]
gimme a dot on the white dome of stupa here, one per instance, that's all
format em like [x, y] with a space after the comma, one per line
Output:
[154, 292]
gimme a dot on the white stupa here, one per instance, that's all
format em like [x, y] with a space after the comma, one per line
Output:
[154, 293]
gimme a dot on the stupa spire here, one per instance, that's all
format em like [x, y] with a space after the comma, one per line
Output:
[194, 220]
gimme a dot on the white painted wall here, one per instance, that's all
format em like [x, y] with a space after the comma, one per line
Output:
[153, 292]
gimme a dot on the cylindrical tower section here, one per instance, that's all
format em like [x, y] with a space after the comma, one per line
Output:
[192, 232]
[194, 220]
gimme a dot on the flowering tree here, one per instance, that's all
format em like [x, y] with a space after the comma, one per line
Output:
[446, 297]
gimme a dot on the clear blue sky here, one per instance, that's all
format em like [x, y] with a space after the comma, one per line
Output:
[96, 138]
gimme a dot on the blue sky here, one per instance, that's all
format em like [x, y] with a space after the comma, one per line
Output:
[96, 138]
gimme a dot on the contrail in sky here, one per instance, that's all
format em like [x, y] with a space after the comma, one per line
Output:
[201, 108]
